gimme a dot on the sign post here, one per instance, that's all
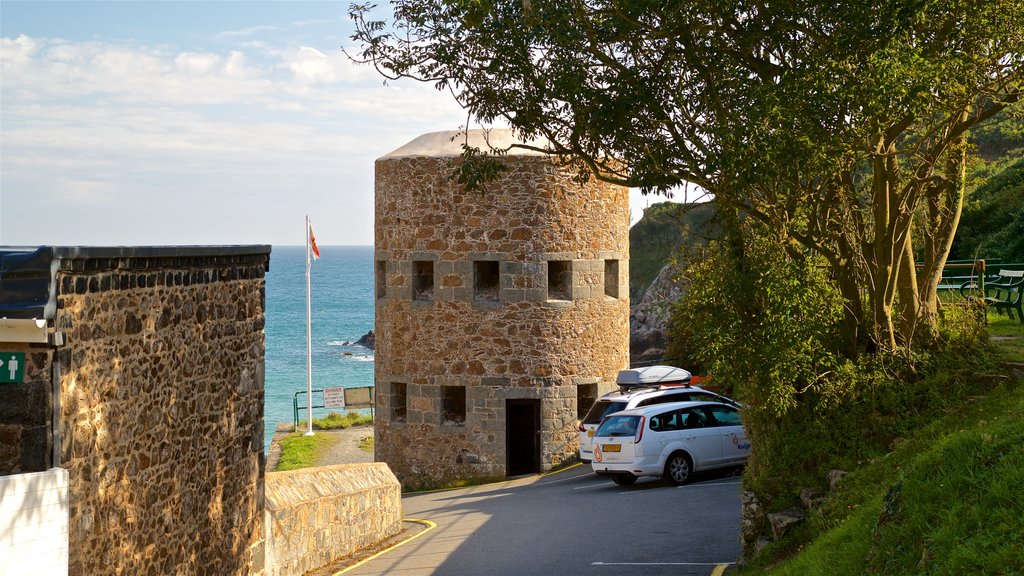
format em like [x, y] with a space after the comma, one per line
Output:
[12, 367]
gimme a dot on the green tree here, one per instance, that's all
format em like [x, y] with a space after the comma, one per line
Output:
[833, 123]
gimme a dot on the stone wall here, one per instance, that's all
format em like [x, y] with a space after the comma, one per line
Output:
[551, 324]
[26, 414]
[317, 516]
[157, 356]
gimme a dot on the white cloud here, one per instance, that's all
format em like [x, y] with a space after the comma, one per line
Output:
[311, 65]
[16, 52]
[198, 64]
[250, 31]
[129, 143]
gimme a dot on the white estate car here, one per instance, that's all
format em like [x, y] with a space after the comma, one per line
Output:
[670, 440]
[641, 387]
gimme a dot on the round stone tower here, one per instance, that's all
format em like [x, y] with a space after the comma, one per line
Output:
[500, 314]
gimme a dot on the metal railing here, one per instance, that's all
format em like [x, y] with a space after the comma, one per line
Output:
[296, 407]
[978, 270]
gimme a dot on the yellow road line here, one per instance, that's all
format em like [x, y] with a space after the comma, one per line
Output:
[429, 526]
[719, 570]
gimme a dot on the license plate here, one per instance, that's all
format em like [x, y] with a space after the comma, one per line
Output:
[590, 433]
[612, 447]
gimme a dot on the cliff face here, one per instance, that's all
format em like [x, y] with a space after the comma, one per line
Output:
[649, 316]
[668, 233]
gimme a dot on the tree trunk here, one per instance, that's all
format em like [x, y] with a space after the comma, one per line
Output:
[881, 256]
[945, 204]
[853, 310]
[907, 290]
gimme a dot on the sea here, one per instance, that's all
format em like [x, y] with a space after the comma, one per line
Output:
[342, 311]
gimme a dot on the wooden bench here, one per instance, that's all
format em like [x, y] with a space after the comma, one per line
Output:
[1002, 292]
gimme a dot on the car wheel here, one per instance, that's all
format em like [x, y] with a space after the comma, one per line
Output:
[678, 468]
[624, 479]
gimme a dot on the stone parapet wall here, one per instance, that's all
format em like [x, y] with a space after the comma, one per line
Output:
[320, 515]
[516, 292]
[161, 411]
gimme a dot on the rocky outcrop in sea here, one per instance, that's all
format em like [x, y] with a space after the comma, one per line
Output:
[367, 340]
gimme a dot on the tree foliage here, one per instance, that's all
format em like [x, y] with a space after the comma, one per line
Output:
[840, 125]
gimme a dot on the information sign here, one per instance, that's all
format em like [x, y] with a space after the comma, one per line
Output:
[334, 397]
[359, 397]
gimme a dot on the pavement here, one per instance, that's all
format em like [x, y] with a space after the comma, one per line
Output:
[566, 522]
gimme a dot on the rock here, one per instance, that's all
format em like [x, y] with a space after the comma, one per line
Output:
[751, 523]
[368, 340]
[834, 476]
[651, 355]
[649, 314]
[811, 498]
[782, 522]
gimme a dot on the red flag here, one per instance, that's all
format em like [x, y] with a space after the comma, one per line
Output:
[312, 244]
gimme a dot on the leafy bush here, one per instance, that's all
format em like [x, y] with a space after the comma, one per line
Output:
[765, 326]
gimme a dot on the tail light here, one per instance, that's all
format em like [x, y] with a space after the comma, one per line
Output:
[640, 430]
[582, 429]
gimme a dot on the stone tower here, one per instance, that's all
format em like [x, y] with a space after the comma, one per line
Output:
[500, 315]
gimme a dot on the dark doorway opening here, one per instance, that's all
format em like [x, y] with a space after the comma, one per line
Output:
[522, 436]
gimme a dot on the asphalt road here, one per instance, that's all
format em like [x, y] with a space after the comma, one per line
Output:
[572, 523]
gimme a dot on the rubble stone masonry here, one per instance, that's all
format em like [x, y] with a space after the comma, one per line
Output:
[316, 516]
[158, 357]
[518, 292]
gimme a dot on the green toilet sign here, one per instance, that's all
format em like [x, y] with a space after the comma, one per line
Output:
[12, 367]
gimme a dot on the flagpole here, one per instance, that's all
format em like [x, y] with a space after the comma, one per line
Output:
[309, 344]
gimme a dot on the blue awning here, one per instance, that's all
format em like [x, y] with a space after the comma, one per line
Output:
[27, 283]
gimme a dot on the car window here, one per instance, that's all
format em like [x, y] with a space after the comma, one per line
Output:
[693, 418]
[710, 397]
[678, 397]
[725, 416]
[665, 422]
[619, 426]
[602, 408]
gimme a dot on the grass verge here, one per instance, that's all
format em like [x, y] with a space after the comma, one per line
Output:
[366, 444]
[298, 451]
[336, 421]
[946, 500]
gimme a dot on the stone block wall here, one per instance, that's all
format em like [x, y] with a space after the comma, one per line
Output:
[156, 359]
[317, 516]
[519, 292]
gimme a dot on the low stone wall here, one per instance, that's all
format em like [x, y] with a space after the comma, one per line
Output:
[316, 516]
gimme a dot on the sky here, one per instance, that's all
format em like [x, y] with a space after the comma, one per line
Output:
[196, 122]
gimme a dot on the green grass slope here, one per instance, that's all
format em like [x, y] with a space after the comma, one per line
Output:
[992, 223]
[947, 500]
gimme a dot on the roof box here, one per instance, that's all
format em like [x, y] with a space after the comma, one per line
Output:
[652, 376]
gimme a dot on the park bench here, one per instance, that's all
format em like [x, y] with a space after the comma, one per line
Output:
[1002, 291]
